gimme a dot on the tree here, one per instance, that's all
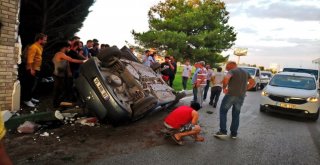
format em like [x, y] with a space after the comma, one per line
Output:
[59, 19]
[261, 68]
[194, 29]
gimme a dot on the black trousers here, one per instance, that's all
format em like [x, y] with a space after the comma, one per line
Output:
[184, 82]
[59, 90]
[171, 78]
[215, 94]
[206, 88]
[28, 85]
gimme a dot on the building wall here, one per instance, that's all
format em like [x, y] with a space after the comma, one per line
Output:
[8, 50]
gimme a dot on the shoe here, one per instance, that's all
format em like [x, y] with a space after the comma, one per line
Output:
[210, 103]
[179, 142]
[220, 135]
[35, 100]
[29, 104]
[214, 106]
[233, 136]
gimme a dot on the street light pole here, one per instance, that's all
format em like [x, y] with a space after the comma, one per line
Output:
[240, 52]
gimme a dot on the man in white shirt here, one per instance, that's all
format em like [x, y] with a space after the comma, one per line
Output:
[206, 88]
[216, 86]
[186, 73]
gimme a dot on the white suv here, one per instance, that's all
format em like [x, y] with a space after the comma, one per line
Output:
[292, 93]
[255, 74]
[265, 78]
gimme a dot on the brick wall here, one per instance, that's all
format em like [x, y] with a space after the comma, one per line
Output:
[8, 53]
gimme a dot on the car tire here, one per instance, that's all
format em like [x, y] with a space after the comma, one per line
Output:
[142, 107]
[256, 88]
[315, 117]
[127, 54]
[262, 108]
[109, 55]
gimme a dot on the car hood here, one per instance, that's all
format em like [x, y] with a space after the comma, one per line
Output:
[292, 92]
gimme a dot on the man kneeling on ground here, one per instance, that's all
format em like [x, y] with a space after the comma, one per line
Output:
[184, 119]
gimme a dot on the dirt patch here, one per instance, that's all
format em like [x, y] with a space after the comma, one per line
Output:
[77, 144]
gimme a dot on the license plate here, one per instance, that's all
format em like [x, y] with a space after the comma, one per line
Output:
[101, 88]
[286, 105]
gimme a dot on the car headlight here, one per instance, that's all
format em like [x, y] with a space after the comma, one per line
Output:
[312, 99]
[264, 93]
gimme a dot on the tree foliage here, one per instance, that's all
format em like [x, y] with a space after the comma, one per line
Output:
[194, 29]
[59, 19]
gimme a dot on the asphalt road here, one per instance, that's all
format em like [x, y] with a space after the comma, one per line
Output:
[264, 138]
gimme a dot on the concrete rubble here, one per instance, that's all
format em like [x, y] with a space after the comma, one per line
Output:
[28, 127]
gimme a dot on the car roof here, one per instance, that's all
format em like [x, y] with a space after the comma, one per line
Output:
[295, 74]
[300, 68]
[248, 67]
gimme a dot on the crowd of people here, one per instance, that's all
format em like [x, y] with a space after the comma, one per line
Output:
[68, 57]
[234, 84]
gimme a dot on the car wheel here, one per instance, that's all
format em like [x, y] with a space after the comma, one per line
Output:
[127, 54]
[143, 106]
[256, 88]
[315, 117]
[262, 108]
[109, 56]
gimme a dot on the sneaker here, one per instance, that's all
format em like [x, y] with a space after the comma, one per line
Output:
[210, 103]
[29, 104]
[220, 135]
[233, 136]
[35, 100]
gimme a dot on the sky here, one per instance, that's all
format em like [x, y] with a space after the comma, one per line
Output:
[283, 32]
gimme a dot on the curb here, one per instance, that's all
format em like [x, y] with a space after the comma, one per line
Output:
[15, 121]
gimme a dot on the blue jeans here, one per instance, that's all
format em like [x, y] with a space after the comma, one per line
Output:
[236, 103]
[197, 95]
[195, 92]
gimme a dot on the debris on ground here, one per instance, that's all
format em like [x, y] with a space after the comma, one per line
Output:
[209, 112]
[66, 104]
[28, 127]
[91, 121]
[46, 134]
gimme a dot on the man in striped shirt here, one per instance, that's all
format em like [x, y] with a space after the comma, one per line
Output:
[199, 81]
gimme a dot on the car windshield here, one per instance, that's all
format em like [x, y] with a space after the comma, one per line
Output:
[251, 71]
[300, 70]
[266, 74]
[297, 82]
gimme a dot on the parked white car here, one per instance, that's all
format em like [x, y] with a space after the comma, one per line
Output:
[292, 93]
[314, 72]
[265, 78]
[255, 74]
